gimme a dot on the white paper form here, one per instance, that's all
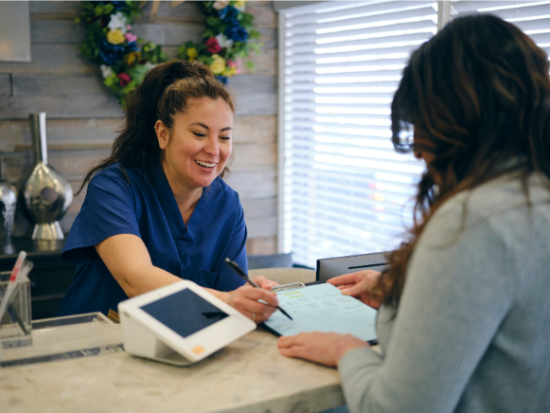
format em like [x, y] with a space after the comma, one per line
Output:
[323, 307]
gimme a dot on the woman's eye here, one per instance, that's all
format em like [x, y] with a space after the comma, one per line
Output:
[225, 138]
[200, 135]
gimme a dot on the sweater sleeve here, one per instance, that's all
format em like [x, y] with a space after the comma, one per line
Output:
[460, 285]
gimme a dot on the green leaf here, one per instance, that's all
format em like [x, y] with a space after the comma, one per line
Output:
[109, 80]
[246, 19]
[209, 33]
[130, 86]
[108, 8]
[250, 65]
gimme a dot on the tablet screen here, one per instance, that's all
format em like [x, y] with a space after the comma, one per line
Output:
[184, 312]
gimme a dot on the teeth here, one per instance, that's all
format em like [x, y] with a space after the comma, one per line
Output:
[206, 164]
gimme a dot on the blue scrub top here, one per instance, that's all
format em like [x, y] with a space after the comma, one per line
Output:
[146, 207]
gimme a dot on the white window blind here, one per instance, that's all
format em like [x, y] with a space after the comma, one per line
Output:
[532, 17]
[344, 188]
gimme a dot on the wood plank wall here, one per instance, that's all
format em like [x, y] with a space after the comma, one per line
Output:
[82, 116]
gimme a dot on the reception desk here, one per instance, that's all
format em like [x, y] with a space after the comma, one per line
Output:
[247, 376]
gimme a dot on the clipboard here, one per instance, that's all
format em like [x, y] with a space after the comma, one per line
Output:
[320, 306]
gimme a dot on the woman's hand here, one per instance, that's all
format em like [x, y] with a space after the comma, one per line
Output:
[323, 348]
[360, 285]
[264, 282]
[246, 300]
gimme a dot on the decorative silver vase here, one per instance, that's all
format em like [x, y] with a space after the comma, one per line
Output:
[45, 196]
[8, 203]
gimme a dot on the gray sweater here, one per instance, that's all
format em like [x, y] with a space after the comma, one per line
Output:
[472, 331]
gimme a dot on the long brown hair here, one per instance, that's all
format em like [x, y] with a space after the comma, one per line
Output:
[165, 92]
[478, 95]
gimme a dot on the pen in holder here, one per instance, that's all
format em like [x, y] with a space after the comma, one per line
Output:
[16, 322]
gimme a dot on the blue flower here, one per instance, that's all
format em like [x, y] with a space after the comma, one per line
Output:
[117, 5]
[110, 53]
[132, 47]
[221, 79]
[236, 33]
[229, 14]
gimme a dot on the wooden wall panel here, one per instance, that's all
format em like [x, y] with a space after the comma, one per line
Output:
[5, 84]
[259, 182]
[53, 58]
[57, 85]
[15, 135]
[56, 31]
[84, 96]
[60, 106]
[246, 155]
[258, 129]
[93, 133]
[261, 245]
[83, 117]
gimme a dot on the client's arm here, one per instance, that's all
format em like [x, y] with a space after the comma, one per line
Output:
[460, 285]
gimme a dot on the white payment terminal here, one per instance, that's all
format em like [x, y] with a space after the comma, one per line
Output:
[179, 324]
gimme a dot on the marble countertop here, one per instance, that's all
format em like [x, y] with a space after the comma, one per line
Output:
[247, 376]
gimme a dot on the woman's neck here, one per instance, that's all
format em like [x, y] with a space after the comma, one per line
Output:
[186, 197]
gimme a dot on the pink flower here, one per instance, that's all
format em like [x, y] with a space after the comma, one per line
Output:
[239, 63]
[128, 28]
[130, 37]
[212, 45]
[123, 79]
[231, 63]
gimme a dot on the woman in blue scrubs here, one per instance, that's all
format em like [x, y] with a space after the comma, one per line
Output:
[156, 210]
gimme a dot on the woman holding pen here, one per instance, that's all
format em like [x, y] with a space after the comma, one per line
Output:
[156, 210]
[464, 308]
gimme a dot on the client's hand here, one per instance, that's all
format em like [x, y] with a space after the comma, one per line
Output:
[323, 348]
[360, 285]
[264, 282]
[246, 300]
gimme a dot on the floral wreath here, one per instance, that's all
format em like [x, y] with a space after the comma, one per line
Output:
[125, 59]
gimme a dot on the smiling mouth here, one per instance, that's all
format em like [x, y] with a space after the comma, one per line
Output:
[205, 164]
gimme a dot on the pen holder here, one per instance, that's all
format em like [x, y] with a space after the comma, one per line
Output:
[16, 323]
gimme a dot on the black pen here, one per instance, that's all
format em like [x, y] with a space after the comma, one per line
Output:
[234, 266]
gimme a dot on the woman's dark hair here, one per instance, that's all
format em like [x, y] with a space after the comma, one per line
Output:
[165, 91]
[478, 95]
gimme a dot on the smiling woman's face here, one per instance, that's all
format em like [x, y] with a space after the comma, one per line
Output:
[197, 148]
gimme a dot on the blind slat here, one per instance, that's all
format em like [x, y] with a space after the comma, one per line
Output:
[474, 6]
[355, 189]
[335, 87]
[376, 50]
[400, 180]
[342, 45]
[297, 79]
[318, 32]
[375, 8]
[344, 67]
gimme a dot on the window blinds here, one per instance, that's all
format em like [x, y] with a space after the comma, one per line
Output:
[344, 188]
[532, 17]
